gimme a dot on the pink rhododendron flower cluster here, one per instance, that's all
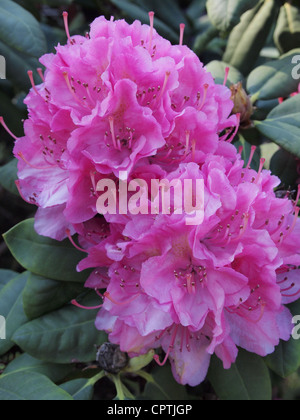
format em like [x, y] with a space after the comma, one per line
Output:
[123, 99]
[122, 96]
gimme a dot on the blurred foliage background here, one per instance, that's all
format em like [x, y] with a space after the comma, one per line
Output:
[257, 39]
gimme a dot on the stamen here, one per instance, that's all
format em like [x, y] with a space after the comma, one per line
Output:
[182, 28]
[293, 295]
[171, 346]
[68, 232]
[206, 86]
[30, 75]
[151, 16]
[253, 150]
[66, 77]
[89, 308]
[126, 302]
[168, 73]
[227, 70]
[187, 143]
[7, 129]
[297, 210]
[40, 72]
[20, 154]
[112, 130]
[261, 167]
[231, 138]
[66, 15]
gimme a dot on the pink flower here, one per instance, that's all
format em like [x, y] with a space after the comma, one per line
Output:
[208, 289]
[121, 97]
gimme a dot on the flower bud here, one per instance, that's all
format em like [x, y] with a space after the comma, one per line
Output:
[242, 104]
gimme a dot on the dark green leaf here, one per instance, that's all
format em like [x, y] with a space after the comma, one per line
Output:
[218, 68]
[247, 380]
[21, 41]
[20, 31]
[286, 358]
[226, 14]
[30, 386]
[6, 276]
[284, 165]
[26, 363]
[42, 295]
[283, 125]
[79, 389]
[136, 12]
[287, 32]
[164, 386]
[238, 32]
[43, 256]
[62, 336]
[8, 176]
[11, 307]
[274, 79]
[254, 37]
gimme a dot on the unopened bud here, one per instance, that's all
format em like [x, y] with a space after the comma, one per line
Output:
[242, 104]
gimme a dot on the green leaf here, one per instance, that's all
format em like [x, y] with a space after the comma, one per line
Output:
[253, 39]
[274, 79]
[226, 14]
[238, 32]
[167, 10]
[11, 307]
[30, 386]
[43, 256]
[8, 176]
[42, 295]
[20, 31]
[287, 32]
[26, 363]
[283, 125]
[163, 386]
[247, 380]
[6, 276]
[284, 165]
[21, 41]
[62, 336]
[79, 389]
[286, 358]
[136, 12]
[218, 69]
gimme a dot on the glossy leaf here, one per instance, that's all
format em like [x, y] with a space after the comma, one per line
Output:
[8, 176]
[21, 41]
[287, 32]
[79, 389]
[247, 380]
[11, 307]
[26, 363]
[254, 37]
[226, 14]
[62, 336]
[274, 79]
[136, 12]
[6, 276]
[29, 386]
[43, 256]
[283, 125]
[218, 69]
[42, 295]
[286, 358]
